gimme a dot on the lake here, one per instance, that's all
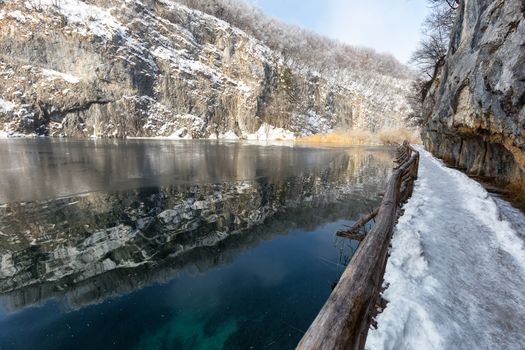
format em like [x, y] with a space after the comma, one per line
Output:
[148, 244]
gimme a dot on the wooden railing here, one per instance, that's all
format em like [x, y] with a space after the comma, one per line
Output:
[344, 320]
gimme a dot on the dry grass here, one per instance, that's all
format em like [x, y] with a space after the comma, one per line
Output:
[517, 194]
[352, 137]
[363, 137]
[397, 136]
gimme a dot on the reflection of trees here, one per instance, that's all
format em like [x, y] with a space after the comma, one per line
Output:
[90, 247]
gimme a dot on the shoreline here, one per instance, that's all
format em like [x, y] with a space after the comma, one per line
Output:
[290, 143]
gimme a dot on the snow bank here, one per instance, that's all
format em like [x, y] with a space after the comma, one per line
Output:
[481, 206]
[268, 132]
[228, 135]
[456, 272]
[407, 273]
[12, 134]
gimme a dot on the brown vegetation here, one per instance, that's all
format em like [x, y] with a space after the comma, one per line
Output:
[364, 137]
[516, 194]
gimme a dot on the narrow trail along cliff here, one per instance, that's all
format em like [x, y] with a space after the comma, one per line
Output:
[456, 272]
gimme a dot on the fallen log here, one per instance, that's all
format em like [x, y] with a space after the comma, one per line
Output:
[354, 236]
[358, 224]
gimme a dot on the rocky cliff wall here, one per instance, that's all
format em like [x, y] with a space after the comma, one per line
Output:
[476, 106]
[157, 68]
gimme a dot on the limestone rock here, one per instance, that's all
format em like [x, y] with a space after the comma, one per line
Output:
[476, 107]
[157, 68]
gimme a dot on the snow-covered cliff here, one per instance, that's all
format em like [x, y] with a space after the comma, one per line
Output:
[125, 68]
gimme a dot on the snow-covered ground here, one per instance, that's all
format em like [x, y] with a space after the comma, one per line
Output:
[515, 216]
[456, 274]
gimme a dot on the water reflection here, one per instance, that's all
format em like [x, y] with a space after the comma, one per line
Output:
[42, 169]
[149, 211]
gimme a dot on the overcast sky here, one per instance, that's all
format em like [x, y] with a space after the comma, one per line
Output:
[385, 25]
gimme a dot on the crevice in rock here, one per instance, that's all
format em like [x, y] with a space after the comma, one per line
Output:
[458, 160]
[58, 115]
[483, 159]
[86, 106]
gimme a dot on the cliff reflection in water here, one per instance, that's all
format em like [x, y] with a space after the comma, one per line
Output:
[192, 208]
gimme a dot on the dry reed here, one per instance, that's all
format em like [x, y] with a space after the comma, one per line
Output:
[364, 137]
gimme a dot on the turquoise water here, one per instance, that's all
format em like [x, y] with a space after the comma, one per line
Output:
[209, 246]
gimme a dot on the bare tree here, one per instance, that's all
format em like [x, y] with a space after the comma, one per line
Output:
[452, 4]
[431, 53]
[436, 29]
[415, 99]
[304, 47]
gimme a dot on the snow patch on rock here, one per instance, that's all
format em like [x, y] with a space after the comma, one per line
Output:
[269, 132]
[96, 20]
[228, 135]
[53, 74]
[6, 106]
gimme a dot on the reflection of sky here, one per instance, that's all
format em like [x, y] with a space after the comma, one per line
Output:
[385, 25]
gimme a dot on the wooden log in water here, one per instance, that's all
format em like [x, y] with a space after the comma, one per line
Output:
[358, 224]
[354, 236]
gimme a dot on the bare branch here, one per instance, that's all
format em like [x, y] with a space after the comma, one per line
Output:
[431, 53]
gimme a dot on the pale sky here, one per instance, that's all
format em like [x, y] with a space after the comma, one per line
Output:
[385, 25]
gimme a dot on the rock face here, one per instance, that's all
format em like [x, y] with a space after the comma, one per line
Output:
[157, 68]
[475, 108]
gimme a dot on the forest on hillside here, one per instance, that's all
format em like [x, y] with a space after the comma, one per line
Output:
[301, 46]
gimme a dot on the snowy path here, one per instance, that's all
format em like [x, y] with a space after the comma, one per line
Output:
[457, 269]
